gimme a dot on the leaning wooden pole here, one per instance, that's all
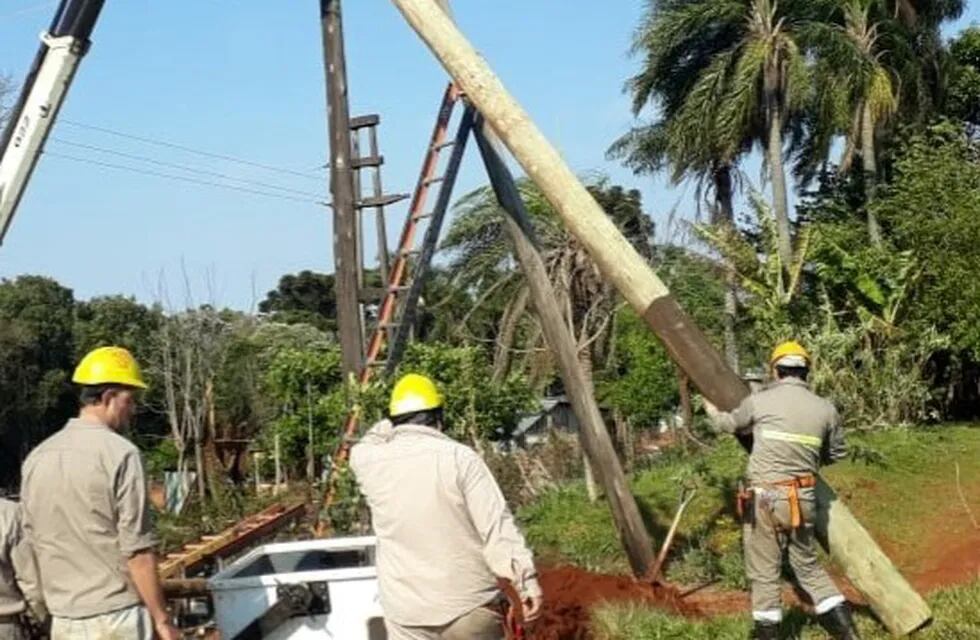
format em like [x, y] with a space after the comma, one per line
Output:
[889, 594]
[598, 446]
[593, 434]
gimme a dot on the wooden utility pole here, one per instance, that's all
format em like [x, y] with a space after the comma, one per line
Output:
[600, 454]
[345, 241]
[892, 598]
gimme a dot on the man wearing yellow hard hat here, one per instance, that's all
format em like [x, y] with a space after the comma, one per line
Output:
[86, 513]
[794, 431]
[444, 532]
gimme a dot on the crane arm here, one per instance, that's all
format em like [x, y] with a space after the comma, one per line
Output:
[62, 47]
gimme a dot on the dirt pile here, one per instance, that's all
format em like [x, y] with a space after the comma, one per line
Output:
[570, 593]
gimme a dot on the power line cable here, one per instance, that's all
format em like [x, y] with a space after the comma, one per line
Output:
[182, 167]
[180, 147]
[205, 183]
[28, 9]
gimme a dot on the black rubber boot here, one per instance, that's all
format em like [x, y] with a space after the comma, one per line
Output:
[765, 631]
[839, 624]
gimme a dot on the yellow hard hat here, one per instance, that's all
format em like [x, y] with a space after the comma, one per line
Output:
[790, 349]
[109, 365]
[414, 393]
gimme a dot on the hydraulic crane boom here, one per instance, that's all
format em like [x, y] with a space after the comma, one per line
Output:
[41, 97]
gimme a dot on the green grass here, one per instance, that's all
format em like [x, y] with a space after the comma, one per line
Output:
[956, 614]
[900, 483]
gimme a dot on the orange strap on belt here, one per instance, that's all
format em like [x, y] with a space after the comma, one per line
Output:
[794, 486]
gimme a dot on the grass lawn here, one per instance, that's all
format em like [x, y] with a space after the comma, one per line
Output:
[956, 611]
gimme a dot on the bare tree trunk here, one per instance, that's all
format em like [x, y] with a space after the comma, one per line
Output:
[591, 487]
[687, 411]
[725, 214]
[212, 464]
[278, 462]
[870, 165]
[310, 462]
[624, 433]
[777, 172]
[507, 333]
[202, 492]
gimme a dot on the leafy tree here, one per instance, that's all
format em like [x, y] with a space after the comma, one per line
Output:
[963, 91]
[116, 320]
[721, 76]
[36, 361]
[124, 322]
[306, 297]
[307, 385]
[476, 408]
[641, 379]
[933, 210]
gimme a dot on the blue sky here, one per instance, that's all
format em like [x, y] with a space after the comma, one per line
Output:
[245, 79]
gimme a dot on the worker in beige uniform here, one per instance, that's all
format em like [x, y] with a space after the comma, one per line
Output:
[444, 532]
[20, 592]
[86, 513]
[794, 432]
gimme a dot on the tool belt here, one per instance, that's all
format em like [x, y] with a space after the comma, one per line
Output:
[745, 499]
[793, 487]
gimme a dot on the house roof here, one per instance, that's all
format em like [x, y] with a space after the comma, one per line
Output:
[548, 405]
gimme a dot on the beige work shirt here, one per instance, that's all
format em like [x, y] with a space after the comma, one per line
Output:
[19, 584]
[444, 530]
[794, 431]
[85, 513]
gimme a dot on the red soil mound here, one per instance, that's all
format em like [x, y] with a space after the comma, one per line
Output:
[570, 593]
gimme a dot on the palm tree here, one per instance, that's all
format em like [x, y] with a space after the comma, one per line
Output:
[852, 74]
[722, 74]
[672, 61]
[874, 59]
[480, 256]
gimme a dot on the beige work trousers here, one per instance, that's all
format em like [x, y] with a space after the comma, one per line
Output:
[12, 631]
[479, 624]
[769, 537]
[131, 623]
